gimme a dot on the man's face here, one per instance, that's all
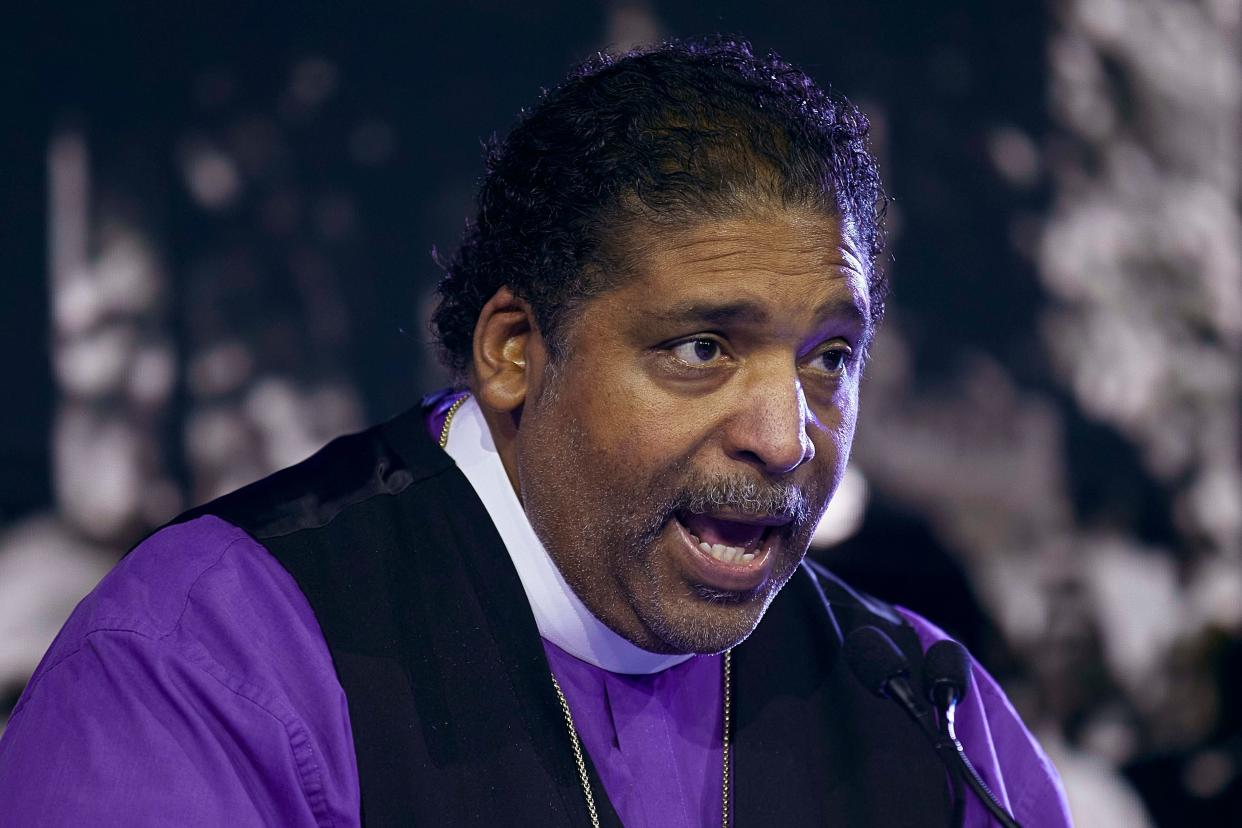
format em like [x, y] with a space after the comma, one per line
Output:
[677, 459]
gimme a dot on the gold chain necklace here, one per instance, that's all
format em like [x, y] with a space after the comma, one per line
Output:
[575, 743]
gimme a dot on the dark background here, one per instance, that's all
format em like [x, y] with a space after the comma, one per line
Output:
[334, 146]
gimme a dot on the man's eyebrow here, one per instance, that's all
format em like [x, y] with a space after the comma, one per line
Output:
[848, 309]
[711, 313]
[724, 313]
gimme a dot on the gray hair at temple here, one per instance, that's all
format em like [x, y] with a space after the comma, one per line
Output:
[680, 133]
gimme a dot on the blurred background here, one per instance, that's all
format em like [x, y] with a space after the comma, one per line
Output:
[218, 225]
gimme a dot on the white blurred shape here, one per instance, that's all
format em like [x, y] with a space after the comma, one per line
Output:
[1116, 373]
[276, 408]
[272, 403]
[1014, 156]
[96, 471]
[126, 274]
[95, 363]
[1104, 19]
[1202, 231]
[293, 423]
[1143, 249]
[1098, 794]
[1215, 595]
[844, 515]
[215, 436]
[630, 25]
[45, 569]
[1216, 498]
[1110, 737]
[1225, 13]
[1079, 94]
[76, 303]
[220, 369]
[1139, 609]
[1013, 587]
[210, 175]
[335, 409]
[152, 374]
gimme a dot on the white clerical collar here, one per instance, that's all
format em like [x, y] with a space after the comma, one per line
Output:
[561, 616]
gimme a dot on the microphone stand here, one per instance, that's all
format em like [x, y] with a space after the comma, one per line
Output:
[883, 669]
[950, 750]
[947, 740]
[954, 756]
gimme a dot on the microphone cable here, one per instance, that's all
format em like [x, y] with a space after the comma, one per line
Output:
[883, 669]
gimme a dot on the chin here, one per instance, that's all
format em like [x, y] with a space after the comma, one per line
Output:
[697, 605]
[703, 620]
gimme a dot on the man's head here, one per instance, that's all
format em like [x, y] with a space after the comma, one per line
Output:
[663, 308]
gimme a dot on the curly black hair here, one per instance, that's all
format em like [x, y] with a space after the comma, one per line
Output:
[680, 132]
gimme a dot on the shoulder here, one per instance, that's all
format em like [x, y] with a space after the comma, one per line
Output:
[1000, 745]
[204, 581]
[148, 592]
[385, 459]
[199, 655]
[195, 650]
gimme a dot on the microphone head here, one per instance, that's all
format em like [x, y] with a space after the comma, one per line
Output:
[946, 672]
[874, 659]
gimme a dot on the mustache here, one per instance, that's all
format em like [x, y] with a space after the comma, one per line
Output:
[744, 496]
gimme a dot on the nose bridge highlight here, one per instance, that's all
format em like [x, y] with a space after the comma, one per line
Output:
[774, 426]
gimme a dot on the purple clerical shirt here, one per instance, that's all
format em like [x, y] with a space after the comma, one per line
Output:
[656, 740]
[193, 687]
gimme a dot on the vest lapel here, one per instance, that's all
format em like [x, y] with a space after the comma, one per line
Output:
[811, 745]
[473, 651]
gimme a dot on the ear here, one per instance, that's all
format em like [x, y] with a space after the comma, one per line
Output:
[508, 352]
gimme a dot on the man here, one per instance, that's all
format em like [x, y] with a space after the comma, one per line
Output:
[537, 600]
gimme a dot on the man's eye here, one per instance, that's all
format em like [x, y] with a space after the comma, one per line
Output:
[833, 360]
[697, 351]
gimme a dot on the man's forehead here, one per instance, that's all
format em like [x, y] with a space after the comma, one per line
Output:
[735, 269]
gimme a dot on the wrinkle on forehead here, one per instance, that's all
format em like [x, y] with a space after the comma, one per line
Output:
[783, 243]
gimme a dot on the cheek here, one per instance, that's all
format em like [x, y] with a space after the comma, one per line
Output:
[848, 420]
[837, 419]
[631, 431]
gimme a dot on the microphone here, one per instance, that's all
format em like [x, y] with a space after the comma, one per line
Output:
[884, 670]
[946, 680]
[946, 673]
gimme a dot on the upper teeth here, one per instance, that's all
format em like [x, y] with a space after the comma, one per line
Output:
[725, 554]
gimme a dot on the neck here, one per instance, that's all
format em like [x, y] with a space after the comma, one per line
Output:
[561, 616]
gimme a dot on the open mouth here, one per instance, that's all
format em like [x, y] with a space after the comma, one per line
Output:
[728, 541]
[728, 552]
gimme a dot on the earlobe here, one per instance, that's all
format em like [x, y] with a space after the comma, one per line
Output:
[503, 338]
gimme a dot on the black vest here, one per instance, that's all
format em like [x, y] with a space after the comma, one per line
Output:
[454, 718]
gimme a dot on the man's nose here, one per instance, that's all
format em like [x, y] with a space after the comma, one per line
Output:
[769, 428]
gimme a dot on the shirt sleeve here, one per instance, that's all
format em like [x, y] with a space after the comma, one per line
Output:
[123, 731]
[192, 686]
[1032, 784]
[1001, 748]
